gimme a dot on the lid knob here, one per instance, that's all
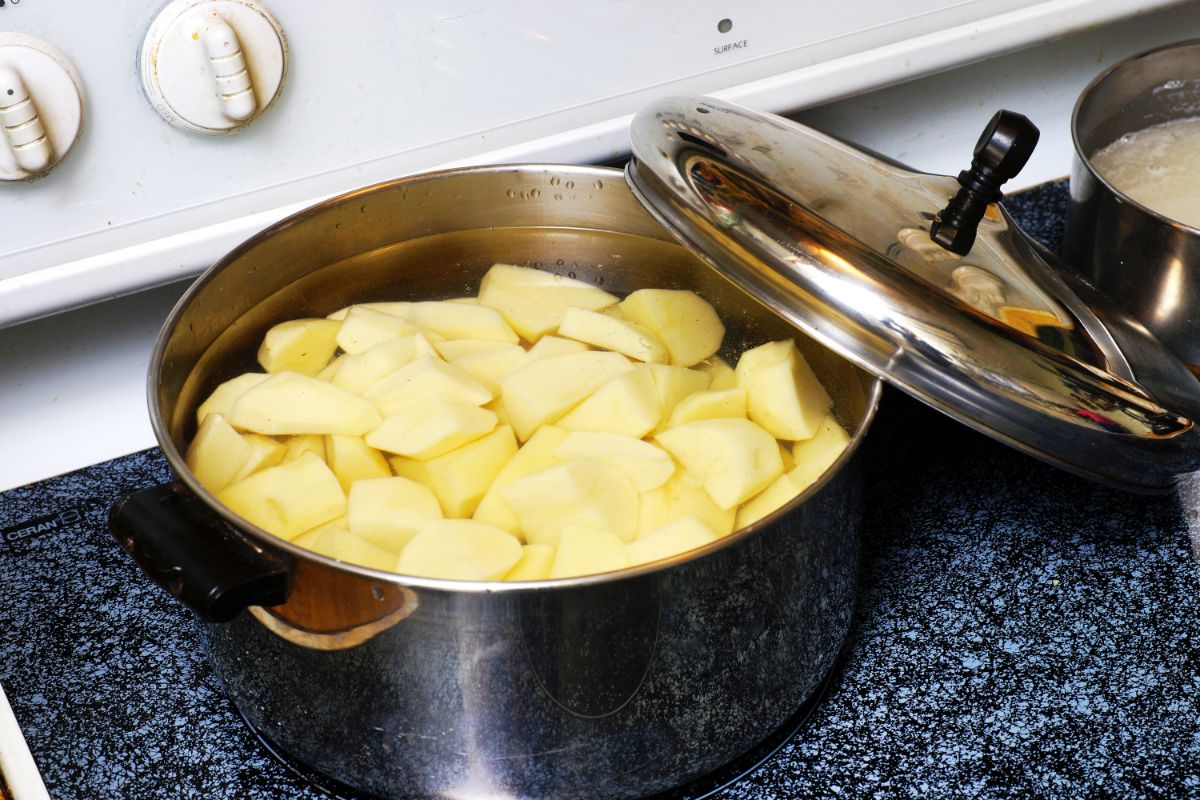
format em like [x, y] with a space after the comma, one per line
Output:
[1003, 149]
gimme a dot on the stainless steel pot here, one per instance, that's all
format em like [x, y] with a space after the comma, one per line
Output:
[1132, 252]
[617, 685]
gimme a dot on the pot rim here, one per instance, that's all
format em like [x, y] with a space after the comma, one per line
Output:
[1086, 161]
[263, 537]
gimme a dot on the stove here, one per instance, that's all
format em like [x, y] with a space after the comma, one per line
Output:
[1019, 632]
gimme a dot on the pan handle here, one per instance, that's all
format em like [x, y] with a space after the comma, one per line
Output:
[208, 565]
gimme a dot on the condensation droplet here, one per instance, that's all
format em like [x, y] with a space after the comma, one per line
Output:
[598, 185]
[511, 193]
[376, 592]
[571, 275]
[337, 226]
[557, 196]
[535, 193]
[363, 209]
[570, 184]
[554, 181]
[560, 262]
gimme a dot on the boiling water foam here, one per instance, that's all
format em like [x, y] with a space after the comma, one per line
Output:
[1157, 167]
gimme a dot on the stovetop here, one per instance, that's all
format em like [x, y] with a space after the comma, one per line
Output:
[1019, 632]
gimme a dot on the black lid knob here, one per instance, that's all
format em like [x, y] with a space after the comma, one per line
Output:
[1002, 150]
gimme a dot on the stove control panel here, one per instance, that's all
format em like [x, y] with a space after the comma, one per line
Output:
[212, 66]
[41, 107]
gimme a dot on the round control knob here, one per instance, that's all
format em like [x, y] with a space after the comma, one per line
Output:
[213, 66]
[41, 106]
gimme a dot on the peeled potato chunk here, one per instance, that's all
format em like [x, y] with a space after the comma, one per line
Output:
[681, 496]
[352, 459]
[685, 322]
[721, 375]
[390, 511]
[782, 393]
[299, 345]
[486, 362]
[363, 328]
[533, 302]
[627, 404]
[534, 455]
[777, 494]
[462, 321]
[646, 465]
[225, 395]
[582, 492]
[550, 346]
[289, 499]
[359, 372]
[431, 428]
[423, 380]
[535, 563]
[542, 392]
[264, 452]
[735, 458]
[584, 550]
[686, 533]
[728, 403]
[815, 456]
[217, 453]
[610, 333]
[461, 477]
[290, 403]
[335, 541]
[460, 549]
[297, 446]
[673, 385]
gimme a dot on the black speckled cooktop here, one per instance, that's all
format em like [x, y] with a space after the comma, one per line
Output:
[1019, 633]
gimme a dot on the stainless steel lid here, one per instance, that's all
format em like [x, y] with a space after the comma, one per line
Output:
[836, 240]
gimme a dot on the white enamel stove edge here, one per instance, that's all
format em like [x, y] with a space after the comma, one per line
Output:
[377, 89]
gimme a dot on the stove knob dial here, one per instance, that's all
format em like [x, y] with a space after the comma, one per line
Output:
[41, 106]
[213, 66]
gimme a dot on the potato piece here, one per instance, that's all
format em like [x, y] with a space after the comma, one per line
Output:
[542, 392]
[646, 465]
[681, 496]
[533, 302]
[390, 511]
[290, 403]
[582, 492]
[289, 499]
[726, 404]
[550, 346]
[461, 477]
[813, 457]
[583, 550]
[735, 458]
[359, 372]
[627, 404]
[674, 384]
[777, 494]
[264, 452]
[459, 321]
[680, 536]
[299, 345]
[331, 368]
[683, 320]
[224, 396]
[426, 379]
[217, 453]
[609, 333]
[536, 454]
[431, 428]
[297, 446]
[782, 393]
[335, 541]
[535, 563]
[364, 327]
[352, 459]
[486, 362]
[460, 549]
[721, 375]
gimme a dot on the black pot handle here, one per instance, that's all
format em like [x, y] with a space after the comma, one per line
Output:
[184, 547]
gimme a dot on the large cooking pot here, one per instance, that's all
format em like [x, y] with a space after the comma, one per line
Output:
[626, 683]
[616, 685]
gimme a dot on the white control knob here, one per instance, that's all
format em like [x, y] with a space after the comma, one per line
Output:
[41, 106]
[213, 66]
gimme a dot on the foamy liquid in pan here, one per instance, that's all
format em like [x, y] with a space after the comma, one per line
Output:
[1157, 167]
